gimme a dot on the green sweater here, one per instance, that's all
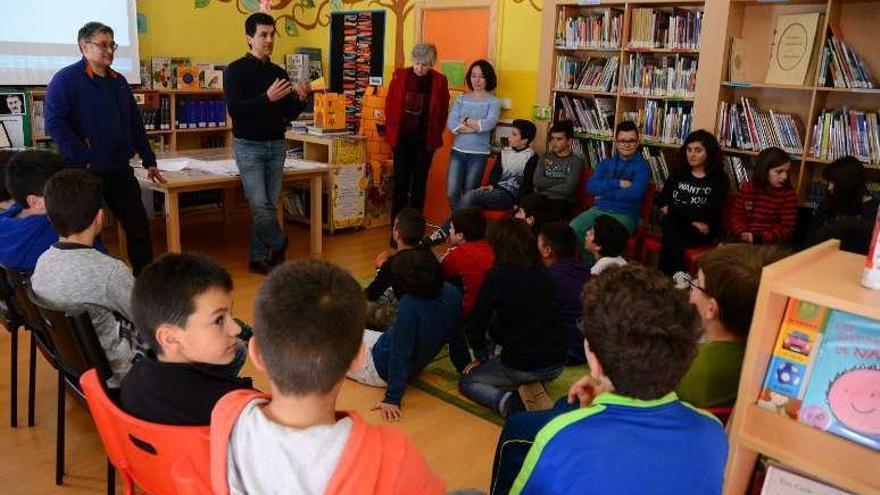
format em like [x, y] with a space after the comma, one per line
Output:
[713, 378]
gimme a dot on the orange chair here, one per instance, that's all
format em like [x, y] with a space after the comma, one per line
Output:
[161, 459]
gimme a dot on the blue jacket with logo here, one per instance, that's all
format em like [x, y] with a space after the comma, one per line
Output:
[605, 183]
[83, 124]
[624, 445]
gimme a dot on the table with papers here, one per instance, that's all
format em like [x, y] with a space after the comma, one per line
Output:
[205, 169]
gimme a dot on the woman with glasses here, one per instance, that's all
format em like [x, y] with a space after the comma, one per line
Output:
[618, 184]
[692, 201]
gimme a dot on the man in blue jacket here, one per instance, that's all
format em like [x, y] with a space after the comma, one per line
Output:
[92, 116]
[618, 184]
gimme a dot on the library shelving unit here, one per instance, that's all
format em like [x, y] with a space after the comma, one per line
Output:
[829, 277]
[607, 37]
[173, 138]
[753, 23]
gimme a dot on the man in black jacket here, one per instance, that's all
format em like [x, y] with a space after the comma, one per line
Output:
[261, 101]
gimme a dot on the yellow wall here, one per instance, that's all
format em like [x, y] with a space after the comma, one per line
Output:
[215, 33]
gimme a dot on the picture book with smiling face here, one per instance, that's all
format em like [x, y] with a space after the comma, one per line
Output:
[843, 393]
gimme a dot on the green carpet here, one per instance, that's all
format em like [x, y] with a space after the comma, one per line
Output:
[440, 379]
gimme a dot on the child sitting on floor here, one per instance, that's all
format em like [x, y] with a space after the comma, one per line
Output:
[382, 301]
[429, 318]
[308, 331]
[534, 210]
[517, 308]
[557, 243]
[641, 336]
[724, 293]
[469, 257]
[605, 241]
[182, 306]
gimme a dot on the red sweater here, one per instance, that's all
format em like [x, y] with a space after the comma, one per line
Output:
[769, 215]
[469, 262]
[438, 108]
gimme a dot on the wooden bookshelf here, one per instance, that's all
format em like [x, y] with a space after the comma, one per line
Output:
[626, 100]
[753, 22]
[172, 139]
[822, 275]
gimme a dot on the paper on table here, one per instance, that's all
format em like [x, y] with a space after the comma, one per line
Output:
[297, 164]
[172, 164]
[219, 167]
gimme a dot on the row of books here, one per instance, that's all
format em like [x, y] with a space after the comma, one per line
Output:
[180, 73]
[822, 371]
[846, 132]
[673, 75]
[592, 151]
[742, 125]
[737, 171]
[843, 66]
[676, 28]
[659, 168]
[597, 74]
[599, 29]
[591, 115]
[194, 114]
[157, 118]
[665, 122]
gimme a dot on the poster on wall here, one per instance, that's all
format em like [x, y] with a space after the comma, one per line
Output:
[357, 54]
[15, 118]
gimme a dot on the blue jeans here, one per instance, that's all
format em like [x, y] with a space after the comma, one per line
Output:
[516, 439]
[464, 174]
[489, 382]
[493, 199]
[261, 164]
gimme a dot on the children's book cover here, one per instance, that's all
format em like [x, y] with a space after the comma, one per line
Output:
[843, 394]
[793, 354]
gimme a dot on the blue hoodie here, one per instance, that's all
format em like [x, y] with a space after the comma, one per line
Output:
[605, 184]
[23, 240]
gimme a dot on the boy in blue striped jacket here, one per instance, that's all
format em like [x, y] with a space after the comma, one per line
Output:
[634, 436]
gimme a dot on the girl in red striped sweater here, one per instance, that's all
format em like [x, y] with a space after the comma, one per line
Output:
[765, 210]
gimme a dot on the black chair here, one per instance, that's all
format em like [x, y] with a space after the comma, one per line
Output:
[12, 321]
[33, 321]
[77, 350]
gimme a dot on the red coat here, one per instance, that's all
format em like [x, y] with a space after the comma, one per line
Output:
[438, 108]
[770, 215]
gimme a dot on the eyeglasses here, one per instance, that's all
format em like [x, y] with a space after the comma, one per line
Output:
[627, 142]
[683, 280]
[107, 47]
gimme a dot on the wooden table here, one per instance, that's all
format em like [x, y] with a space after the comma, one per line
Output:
[189, 180]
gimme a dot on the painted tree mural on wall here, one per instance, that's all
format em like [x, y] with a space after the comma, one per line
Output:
[533, 3]
[309, 14]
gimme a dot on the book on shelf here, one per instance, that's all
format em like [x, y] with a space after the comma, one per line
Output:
[737, 171]
[595, 73]
[736, 70]
[838, 133]
[659, 168]
[743, 125]
[200, 113]
[591, 114]
[667, 76]
[792, 51]
[843, 393]
[794, 354]
[592, 151]
[666, 122]
[781, 480]
[841, 66]
[38, 121]
[599, 28]
[675, 28]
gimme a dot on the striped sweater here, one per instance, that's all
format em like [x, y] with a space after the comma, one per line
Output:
[769, 215]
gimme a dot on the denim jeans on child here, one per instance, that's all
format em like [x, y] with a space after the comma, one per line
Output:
[492, 199]
[261, 164]
[464, 174]
[489, 382]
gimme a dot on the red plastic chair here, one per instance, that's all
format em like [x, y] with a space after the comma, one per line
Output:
[584, 199]
[161, 459]
[488, 214]
[721, 412]
[643, 230]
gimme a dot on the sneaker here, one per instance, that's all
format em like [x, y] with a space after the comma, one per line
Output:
[534, 397]
[278, 257]
[260, 267]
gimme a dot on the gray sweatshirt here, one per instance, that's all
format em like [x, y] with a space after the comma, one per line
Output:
[557, 177]
[73, 276]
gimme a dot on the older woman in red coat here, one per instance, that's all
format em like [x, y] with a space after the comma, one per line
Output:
[415, 117]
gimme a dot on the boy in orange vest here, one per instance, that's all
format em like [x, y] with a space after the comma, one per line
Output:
[309, 321]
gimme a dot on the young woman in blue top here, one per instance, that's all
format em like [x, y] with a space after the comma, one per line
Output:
[471, 120]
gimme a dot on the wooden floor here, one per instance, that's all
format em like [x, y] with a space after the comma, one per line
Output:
[458, 446]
